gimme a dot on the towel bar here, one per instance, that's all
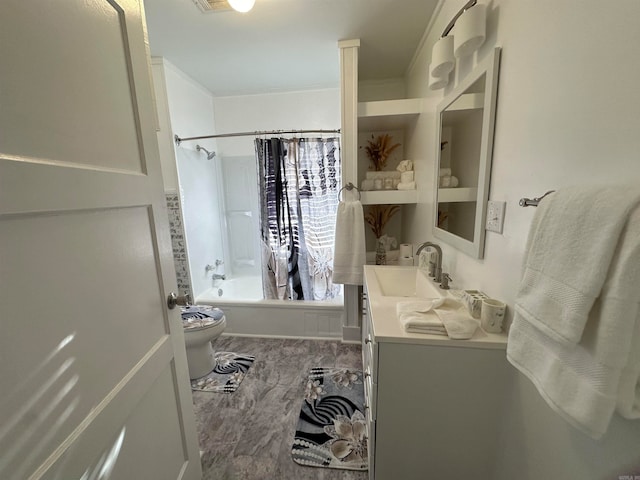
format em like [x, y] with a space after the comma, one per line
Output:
[533, 202]
[349, 186]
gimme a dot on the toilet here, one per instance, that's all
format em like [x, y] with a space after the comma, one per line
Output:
[202, 324]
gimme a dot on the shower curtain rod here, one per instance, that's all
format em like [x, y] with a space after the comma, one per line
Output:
[257, 133]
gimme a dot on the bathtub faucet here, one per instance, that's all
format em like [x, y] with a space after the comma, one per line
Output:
[217, 276]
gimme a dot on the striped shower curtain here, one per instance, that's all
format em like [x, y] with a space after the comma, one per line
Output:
[299, 181]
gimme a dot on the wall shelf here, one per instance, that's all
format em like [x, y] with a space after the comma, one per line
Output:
[388, 114]
[467, 101]
[393, 197]
[450, 195]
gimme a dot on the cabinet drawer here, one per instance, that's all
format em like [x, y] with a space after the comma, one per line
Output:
[370, 358]
[370, 394]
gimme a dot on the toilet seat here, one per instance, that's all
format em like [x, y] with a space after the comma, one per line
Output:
[199, 317]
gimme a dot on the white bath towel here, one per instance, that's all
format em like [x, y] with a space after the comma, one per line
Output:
[570, 246]
[349, 251]
[585, 382]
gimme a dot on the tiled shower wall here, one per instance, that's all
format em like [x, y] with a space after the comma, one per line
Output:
[178, 243]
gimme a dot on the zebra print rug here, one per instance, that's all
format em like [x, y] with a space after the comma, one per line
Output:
[332, 429]
[227, 375]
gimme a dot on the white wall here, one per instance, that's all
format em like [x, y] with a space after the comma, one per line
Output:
[313, 109]
[190, 109]
[567, 114]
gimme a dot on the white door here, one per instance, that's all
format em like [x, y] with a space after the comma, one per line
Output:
[93, 376]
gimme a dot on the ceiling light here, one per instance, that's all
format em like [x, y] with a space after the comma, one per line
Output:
[468, 35]
[442, 61]
[242, 5]
[436, 83]
[470, 31]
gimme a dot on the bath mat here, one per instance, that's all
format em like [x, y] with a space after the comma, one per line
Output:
[227, 375]
[332, 430]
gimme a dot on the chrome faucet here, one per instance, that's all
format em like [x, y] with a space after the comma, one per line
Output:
[217, 276]
[437, 275]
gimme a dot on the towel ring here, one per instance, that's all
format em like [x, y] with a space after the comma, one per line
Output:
[349, 186]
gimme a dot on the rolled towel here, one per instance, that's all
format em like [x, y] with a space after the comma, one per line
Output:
[445, 171]
[366, 185]
[445, 181]
[454, 181]
[407, 186]
[405, 166]
[406, 177]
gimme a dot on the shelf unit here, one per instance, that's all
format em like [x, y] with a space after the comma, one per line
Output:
[388, 115]
[382, 197]
[450, 195]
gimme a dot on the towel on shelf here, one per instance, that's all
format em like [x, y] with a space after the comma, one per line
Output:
[418, 317]
[349, 250]
[587, 379]
[407, 186]
[570, 246]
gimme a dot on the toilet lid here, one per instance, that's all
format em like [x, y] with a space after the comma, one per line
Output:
[198, 316]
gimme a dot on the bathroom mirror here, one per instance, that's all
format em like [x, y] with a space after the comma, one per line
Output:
[464, 124]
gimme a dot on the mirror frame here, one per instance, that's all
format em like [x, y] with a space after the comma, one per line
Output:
[489, 66]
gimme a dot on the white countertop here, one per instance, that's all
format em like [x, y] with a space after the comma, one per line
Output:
[387, 328]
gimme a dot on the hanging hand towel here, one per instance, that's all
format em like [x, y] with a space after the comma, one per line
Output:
[571, 242]
[349, 251]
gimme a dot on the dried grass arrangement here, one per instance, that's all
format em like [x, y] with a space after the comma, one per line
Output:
[378, 216]
[378, 150]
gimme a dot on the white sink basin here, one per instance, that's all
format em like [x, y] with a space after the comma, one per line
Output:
[394, 281]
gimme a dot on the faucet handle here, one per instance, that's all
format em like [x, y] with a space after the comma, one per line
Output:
[445, 281]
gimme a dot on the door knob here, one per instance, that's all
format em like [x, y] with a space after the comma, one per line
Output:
[173, 299]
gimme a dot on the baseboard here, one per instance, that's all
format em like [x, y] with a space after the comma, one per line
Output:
[351, 335]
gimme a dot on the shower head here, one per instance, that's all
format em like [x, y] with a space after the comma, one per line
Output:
[210, 155]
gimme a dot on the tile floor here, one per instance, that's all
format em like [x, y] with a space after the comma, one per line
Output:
[247, 435]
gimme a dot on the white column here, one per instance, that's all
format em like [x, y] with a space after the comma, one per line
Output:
[349, 149]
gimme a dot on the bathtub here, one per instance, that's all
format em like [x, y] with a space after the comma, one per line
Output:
[248, 313]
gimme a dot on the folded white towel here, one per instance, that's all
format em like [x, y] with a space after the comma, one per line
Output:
[445, 181]
[437, 317]
[445, 171]
[349, 251]
[418, 317]
[570, 246]
[456, 320]
[585, 382]
[407, 186]
[427, 330]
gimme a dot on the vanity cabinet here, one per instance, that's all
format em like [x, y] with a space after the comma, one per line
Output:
[433, 405]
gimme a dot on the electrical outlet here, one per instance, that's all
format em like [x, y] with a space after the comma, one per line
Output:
[495, 216]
